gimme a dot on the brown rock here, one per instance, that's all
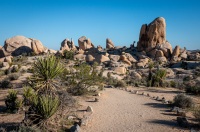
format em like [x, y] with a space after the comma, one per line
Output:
[124, 59]
[68, 45]
[79, 57]
[159, 53]
[120, 70]
[101, 58]
[37, 46]
[89, 58]
[153, 34]
[114, 57]
[176, 51]
[130, 58]
[8, 59]
[109, 44]
[84, 43]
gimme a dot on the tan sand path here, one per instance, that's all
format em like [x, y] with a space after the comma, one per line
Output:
[121, 111]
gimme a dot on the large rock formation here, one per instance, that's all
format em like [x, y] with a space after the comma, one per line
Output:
[109, 44]
[68, 45]
[153, 41]
[84, 43]
[152, 34]
[37, 46]
[19, 44]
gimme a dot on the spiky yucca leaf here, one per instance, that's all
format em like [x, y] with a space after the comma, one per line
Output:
[45, 72]
[46, 106]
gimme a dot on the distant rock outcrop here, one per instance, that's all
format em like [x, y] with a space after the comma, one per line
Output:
[19, 44]
[84, 43]
[109, 44]
[152, 40]
[152, 34]
[68, 45]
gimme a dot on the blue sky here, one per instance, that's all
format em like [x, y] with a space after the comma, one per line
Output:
[51, 21]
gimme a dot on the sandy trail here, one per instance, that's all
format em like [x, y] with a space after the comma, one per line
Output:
[121, 111]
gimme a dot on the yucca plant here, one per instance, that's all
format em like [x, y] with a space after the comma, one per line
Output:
[45, 106]
[12, 102]
[28, 95]
[45, 72]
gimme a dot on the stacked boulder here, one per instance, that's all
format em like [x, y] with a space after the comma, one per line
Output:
[19, 44]
[84, 43]
[109, 44]
[153, 41]
[68, 45]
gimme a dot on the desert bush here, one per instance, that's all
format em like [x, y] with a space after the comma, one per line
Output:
[5, 83]
[23, 128]
[183, 101]
[28, 95]
[12, 102]
[84, 78]
[14, 76]
[68, 55]
[158, 78]
[120, 83]
[45, 72]
[173, 84]
[196, 113]
[192, 87]
[45, 106]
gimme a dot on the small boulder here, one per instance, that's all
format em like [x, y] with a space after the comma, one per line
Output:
[89, 109]
[109, 44]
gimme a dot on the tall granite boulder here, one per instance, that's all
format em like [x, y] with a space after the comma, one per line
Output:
[84, 43]
[19, 44]
[109, 44]
[152, 34]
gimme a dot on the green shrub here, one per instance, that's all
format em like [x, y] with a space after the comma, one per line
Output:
[45, 106]
[196, 113]
[68, 55]
[84, 78]
[27, 129]
[12, 102]
[173, 84]
[28, 95]
[45, 72]
[120, 83]
[183, 101]
[158, 79]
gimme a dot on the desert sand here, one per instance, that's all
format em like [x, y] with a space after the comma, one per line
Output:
[122, 111]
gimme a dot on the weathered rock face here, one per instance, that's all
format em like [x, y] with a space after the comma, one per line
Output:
[152, 34]
[120, 70]
[84, 43]
[101, 58]
[89, 58]
[19, 44]
[37, 46]
[176, 51]
[67, 45]
[109, 44]
[124, 59]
